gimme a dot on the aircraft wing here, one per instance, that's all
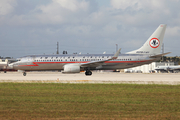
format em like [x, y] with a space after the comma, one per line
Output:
[159, 55]
[98, 63]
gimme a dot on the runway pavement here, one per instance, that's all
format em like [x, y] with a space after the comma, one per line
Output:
[104, 77]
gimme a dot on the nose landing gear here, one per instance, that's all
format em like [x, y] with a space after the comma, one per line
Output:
[24, 73]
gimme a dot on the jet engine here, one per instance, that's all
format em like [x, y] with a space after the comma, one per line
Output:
[72, 68]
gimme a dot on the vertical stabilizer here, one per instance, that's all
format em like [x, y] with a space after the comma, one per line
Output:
[153, 44]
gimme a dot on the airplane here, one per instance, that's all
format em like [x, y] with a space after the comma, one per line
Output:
[75, 63]
[168, 68]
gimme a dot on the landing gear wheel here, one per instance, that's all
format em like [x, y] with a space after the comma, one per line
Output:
[4, 71]
[88, 73]
[24, 73]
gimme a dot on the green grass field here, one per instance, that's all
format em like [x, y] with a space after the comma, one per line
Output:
[89, 101]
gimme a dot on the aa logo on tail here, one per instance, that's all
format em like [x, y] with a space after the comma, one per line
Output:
[154, 43]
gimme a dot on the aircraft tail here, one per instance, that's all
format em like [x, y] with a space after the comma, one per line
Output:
[154, 43]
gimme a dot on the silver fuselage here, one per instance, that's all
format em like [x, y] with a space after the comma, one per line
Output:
[57, 62]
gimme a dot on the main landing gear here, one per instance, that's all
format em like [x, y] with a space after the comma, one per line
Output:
[24, 73]
[88, 72]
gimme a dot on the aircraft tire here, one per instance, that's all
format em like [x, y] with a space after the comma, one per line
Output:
[24, 73]
[88, 73]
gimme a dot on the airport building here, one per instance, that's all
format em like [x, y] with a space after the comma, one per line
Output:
[4, 63]
[148, 68]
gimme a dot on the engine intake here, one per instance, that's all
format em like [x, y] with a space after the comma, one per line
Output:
[72, 68]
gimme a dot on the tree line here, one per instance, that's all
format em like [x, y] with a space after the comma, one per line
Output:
[175, 59]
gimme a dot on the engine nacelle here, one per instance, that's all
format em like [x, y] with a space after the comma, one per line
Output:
[72, 68]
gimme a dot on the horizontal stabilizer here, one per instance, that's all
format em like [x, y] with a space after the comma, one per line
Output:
[160, 55]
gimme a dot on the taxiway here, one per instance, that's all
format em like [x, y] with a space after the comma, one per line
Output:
[97, 77]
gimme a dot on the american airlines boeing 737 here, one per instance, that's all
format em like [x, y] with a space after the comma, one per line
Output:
[75, 63]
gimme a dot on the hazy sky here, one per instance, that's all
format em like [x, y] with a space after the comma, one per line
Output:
[30, 27]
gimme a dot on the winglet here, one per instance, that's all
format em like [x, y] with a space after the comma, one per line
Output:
[116, 54]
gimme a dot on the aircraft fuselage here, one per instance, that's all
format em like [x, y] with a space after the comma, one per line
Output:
[57, 62]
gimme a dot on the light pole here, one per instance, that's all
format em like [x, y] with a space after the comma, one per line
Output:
[116, 47]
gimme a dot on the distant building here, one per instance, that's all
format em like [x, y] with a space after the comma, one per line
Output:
[148, 67]
[4, 63]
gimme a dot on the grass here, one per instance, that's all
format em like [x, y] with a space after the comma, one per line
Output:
[89, 101]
